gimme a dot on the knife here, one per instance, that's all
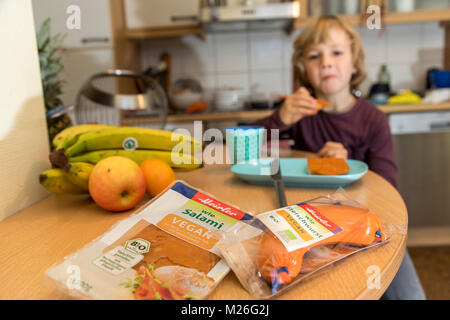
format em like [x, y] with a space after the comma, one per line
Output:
[275, 175]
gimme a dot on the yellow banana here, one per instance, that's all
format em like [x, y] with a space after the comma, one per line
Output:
[78, 173]
[174, 160]
[130, 138]
[56, 181]
[68, 136]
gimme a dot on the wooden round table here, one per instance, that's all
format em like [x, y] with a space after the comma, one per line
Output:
[43, 234]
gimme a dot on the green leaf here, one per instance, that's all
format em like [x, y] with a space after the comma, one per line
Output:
[43, 34]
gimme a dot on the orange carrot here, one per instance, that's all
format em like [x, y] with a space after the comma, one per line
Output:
[199, 106]
[322, 104]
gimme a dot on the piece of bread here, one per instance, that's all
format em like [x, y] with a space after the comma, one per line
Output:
[328, 166]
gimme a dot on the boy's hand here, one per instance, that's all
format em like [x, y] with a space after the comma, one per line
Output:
[298, 105]
[333, 150]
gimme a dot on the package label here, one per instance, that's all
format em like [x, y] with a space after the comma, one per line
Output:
[118, 260]
[200, 220]
[298, 226]
[207, 201]
[218, 206]
[139, 246]
[188, 231]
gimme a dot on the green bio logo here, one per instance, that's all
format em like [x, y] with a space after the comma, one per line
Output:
[129, 144]
[138, 246]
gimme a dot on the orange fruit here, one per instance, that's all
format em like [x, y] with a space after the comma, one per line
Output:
[158, 175]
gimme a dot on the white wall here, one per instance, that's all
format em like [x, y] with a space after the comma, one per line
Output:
[408, 49]
[23, 133]
[261, 60]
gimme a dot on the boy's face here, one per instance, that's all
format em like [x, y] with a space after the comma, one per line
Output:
[329, 65]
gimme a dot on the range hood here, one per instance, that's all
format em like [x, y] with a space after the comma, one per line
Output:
[218, 16]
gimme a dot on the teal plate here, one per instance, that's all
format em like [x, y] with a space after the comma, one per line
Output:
[295, 173]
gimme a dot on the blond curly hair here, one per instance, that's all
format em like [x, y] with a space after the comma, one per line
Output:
[317, 32]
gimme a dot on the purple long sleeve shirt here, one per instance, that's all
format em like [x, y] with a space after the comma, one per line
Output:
[364, 131]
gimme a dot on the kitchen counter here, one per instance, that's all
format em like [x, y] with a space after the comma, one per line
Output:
[388, 109]
[248, 115]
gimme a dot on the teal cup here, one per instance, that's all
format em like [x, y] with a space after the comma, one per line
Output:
[244, 143]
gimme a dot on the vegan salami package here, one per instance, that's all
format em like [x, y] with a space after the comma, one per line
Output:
[296, 241]
[168, 250]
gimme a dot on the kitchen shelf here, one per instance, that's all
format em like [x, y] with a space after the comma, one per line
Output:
[415, 16]
[445, 106]
[354, 19]
[207, 116]
[418, 16]
[259, 114]
[138, 34]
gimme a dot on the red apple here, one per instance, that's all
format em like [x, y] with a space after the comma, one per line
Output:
[117, 184]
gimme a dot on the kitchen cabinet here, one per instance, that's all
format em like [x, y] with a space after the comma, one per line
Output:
[161, 13]
[79, 65]
[86, 50]
[85, 23]
[422, 148]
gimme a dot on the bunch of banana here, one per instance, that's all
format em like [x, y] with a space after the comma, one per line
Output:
[74, 178]
[78, 173]
[92, 143]
[68, 136]
[139, 156]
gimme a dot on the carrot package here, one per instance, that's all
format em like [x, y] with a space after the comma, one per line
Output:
[296, 241]
[168, 251]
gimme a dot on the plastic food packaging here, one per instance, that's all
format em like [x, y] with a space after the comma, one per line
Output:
[296, 241]
[167, 251]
